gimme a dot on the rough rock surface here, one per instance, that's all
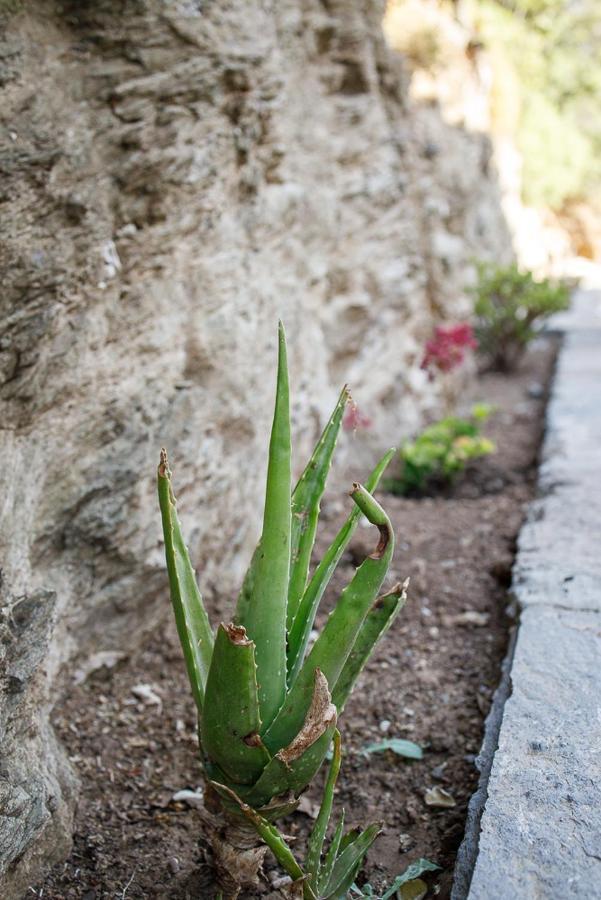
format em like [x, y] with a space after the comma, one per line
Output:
[174, 177]
[541, 825]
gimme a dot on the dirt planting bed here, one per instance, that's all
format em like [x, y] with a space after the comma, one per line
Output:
[130, 729]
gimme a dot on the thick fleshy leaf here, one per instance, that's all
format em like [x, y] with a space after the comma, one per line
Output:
[306, 498]
[348, 863]
[325, 871]
[293, 767]
[191, 618]
[262, 603]
[269, 833]
[378, 620]
[298, 636]
[231, 722]
[333, 646]
[318, 832]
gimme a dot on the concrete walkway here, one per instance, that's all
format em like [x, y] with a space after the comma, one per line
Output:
[540, 826]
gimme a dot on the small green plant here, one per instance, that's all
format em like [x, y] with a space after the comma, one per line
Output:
[267, 704]
[322, 877]
[510, 306]
[441, 451]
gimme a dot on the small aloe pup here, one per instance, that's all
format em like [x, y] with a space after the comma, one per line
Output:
[320, 878]
[267, 704]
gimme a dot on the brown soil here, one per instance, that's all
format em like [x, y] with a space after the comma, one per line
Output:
[431, 679]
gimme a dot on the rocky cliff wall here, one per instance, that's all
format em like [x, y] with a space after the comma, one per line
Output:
[175, 176]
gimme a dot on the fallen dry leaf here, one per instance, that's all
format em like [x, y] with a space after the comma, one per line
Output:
[437, 796]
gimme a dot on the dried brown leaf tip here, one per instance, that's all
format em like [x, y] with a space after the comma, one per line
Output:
[164, 471]
[237, 634]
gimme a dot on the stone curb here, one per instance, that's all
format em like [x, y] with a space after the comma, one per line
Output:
[534, 824]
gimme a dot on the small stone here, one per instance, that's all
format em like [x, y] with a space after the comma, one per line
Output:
[173, 865]
[406, 841]
[535, 390]
[192, 798]
[385, 725]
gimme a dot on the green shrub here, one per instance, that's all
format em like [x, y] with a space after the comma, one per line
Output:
[509, 306]
[441, 451]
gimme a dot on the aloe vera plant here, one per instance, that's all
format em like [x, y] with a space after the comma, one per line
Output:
[267, 704]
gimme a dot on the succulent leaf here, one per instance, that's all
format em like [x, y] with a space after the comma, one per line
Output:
[348, 863]
[298, 636]
[263, 599]
[377, 622]
[306, 498]
[334, 644]
[232, 740]
[193, 627]
[293, 766]
[325, 871]
[318, 832]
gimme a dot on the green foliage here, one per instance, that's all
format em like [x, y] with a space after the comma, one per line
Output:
[509, 306]
[552, 47]
[267, 705]
[441, 451]
[326, 876]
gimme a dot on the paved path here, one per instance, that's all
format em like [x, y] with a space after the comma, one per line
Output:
[540, 834]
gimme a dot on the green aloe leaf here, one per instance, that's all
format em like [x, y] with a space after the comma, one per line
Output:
[306, 498]
[298, 636]
[318, 832]
[377, 622]
[333, 646]
[325, 871]
[193, 627]
[348, 863]
[262, 603]
[233, 740]
[296, 763]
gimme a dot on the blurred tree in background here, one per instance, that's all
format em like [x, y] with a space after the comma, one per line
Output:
[554, 50]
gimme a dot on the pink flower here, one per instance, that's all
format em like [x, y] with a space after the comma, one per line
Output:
[354, 419]
[447, 349]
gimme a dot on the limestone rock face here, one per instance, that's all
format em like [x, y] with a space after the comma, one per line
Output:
[175, 177]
